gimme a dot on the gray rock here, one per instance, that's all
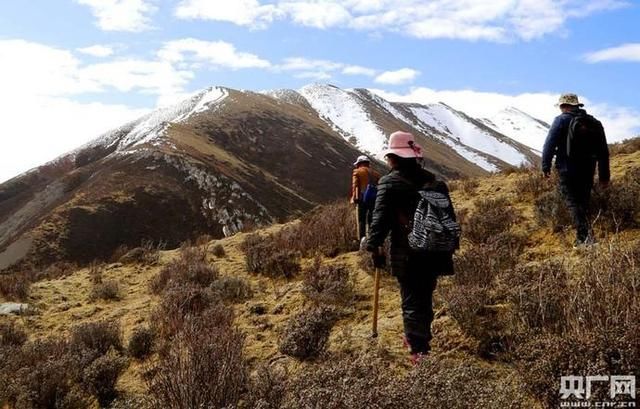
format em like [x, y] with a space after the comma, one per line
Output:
[13, 308]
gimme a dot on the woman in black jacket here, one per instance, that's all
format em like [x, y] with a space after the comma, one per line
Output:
[417, 272]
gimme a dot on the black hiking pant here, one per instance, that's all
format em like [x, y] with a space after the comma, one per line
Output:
[576, 191]
[365, 216]
[416, 290]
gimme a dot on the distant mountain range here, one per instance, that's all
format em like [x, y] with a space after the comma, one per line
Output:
[226, 159]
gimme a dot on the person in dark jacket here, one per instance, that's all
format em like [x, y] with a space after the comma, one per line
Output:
[576, 177]
[416, 272]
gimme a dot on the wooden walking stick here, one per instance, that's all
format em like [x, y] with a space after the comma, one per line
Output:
[376, 290]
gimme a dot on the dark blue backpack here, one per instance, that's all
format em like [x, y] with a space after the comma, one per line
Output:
[370, 193]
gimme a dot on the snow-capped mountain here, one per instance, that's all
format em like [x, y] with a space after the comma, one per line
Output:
[367, 119]
[224, 159]
[519, 126]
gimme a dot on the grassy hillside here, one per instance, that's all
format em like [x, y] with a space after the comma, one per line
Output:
[281, 317]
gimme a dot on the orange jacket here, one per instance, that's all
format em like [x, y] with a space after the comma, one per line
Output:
[360, 180]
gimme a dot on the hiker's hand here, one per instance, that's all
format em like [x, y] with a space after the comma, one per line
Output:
[379, 258]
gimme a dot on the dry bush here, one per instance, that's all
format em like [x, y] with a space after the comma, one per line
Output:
[106, 290]
[141, 342]
[148, 253]
[100, 377]
[218, 251]
[328, 284]
[190, 268]
[40, 375]
[625, 147]
[11, 335]
[99, 336]
[329, 230]
[179, 303]
[307, 333]
[469, 186]
[490, 218]
[533, 184]
[471, 297]
[267, 388]
[365, 381]
[545, 358]
[265, 256]
[15, 286]
[551, 210]
[617, 207]
[605, 293]
[232, 289]
[202, 368]
[203, 240]
[537, 293]
[345, 382]
[522, 168]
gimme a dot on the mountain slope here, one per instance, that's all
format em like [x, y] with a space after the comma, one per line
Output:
[224, 160]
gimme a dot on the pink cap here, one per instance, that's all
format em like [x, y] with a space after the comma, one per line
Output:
[404, 145]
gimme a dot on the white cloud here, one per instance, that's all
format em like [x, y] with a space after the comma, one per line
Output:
[39, 119]
[100, 51]
[121, 15]
[300, 63]
[401, 76]
[316, 14]
[240, 12]
[358, 70]
[314, 75]
[625, 52]
[490, 20]
[620, 122]
[213, 53]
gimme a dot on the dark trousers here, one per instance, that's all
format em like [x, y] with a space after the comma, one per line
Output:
[416, 290]
[365, 216]
[577, 194]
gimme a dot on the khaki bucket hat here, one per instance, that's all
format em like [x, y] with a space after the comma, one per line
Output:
[569, 99]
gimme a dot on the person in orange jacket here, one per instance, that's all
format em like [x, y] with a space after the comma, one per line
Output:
[362, 177]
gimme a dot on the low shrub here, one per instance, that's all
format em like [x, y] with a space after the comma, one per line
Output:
[232, 289]
[190, 268]
[328, 284]
[490, 218]
[551, 210]
[218, 251]
[15, 286]
[100, 377]
[179, 303]
[266, 257]
[203, 368]
[99, 336]
[148, 253]
[141, 342]
[533, 184]
[625, 147]
[306, 334]
[106, 290]
[11, 335]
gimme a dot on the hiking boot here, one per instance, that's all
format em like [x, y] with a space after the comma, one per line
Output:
[585, 244]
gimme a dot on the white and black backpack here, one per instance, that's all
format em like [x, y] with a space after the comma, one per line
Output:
[433, 227]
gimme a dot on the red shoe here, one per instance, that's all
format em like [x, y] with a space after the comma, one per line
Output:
[417, 358]
[405, 342]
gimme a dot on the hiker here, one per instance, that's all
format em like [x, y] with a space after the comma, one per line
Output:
[399, 195]
[363, 185]
[578, 142]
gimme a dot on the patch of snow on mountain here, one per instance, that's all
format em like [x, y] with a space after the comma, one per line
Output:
[343, 111]
[212, 96]
[519, 126]
[450, 122]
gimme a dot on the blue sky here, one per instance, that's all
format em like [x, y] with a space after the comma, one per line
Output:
[71, 69]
